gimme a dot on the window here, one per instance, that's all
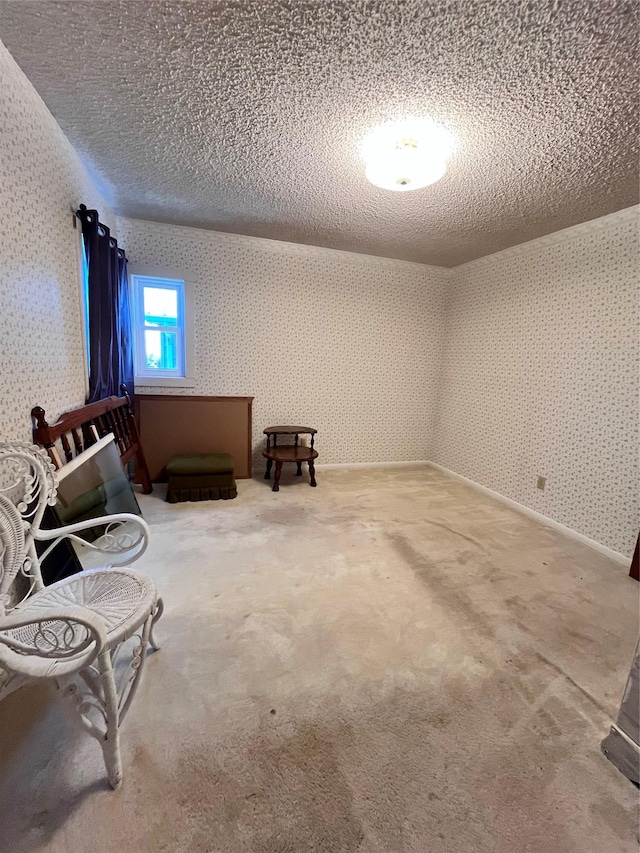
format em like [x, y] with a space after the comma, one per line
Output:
[161, 330]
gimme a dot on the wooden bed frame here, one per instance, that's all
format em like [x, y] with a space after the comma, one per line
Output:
[80, 428]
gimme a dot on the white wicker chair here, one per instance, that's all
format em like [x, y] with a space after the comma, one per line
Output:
[72, 631]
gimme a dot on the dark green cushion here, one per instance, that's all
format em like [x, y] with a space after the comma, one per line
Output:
[200, 463]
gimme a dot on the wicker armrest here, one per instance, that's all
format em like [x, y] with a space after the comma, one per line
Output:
[59, 641]
[112, 542]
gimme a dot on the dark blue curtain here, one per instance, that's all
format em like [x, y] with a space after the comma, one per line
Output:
[110, 331]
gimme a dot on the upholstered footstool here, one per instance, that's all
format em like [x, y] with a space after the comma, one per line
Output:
[201, 477]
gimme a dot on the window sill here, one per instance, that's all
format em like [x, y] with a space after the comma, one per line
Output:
[163, 382]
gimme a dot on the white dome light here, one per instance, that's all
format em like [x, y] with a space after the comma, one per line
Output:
[407, 154]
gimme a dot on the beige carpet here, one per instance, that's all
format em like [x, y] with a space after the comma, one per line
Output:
[390, 662]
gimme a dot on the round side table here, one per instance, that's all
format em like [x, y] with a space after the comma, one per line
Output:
[296, 452]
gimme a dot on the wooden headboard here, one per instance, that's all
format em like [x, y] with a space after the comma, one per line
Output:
[80, 428]
[171, 424]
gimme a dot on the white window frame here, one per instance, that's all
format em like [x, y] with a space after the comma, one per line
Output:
[141, 327]
[183, 376]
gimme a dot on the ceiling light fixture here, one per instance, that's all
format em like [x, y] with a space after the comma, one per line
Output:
[406, 155]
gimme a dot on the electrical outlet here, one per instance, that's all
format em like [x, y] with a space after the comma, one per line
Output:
[542, 482]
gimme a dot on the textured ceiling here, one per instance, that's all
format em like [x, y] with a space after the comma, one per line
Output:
[246, 116]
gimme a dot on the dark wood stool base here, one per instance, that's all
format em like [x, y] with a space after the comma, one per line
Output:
[290, 453]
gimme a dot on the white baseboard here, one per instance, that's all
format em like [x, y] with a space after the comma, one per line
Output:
[538, 516]
[328, 466]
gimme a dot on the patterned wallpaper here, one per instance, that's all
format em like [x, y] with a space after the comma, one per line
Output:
[347, 343]
[41, 182]
[540, 377]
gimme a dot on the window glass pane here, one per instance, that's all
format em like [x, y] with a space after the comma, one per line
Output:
[161, 350]
[160, 306]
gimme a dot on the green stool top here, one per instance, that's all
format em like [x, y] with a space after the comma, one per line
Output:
[201, 463]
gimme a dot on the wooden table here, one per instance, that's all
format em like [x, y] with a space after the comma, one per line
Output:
[297, 453]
